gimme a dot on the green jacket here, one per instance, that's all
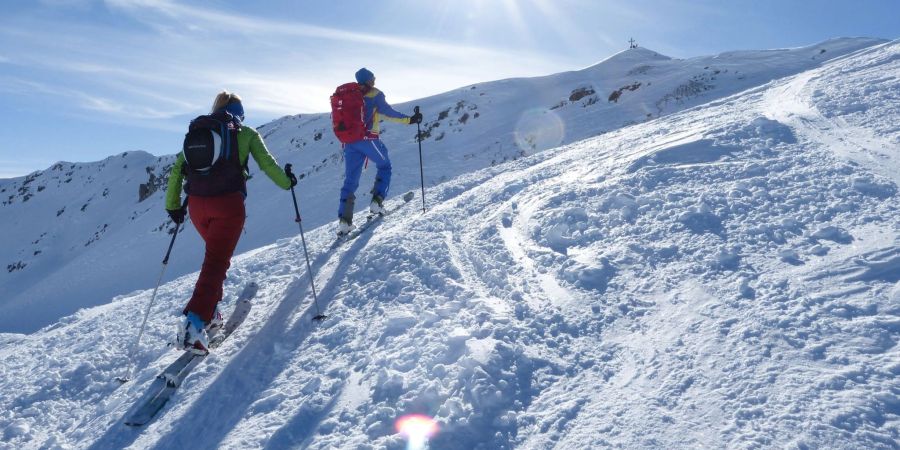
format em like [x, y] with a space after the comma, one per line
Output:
[249, 143]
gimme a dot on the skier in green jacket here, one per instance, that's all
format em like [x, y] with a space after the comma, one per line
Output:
[216, 206]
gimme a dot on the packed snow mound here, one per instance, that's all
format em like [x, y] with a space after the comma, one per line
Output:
[722, 277]
[80, 234]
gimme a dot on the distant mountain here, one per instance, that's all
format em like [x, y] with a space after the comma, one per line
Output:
[78, 234]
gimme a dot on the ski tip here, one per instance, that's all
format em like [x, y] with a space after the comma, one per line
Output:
[123, 380]
[408, 196]
[319, 318]
[249, 290]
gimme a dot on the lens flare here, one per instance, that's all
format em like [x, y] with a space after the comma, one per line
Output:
[417, 429]
[539, 129]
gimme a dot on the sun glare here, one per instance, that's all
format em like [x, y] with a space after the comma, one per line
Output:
[416, 429]
[539, 129]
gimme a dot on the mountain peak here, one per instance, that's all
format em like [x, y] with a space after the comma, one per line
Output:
[632, 56]
[638, 54]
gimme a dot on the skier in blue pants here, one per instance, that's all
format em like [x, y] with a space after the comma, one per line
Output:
[355, 153]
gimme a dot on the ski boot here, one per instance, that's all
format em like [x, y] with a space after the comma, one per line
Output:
[344, 227]
[192, 336]
[376, 208]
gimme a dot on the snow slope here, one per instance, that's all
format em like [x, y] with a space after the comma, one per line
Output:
[79, 234]
[723, 277]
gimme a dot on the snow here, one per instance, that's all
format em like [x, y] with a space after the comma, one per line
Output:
[68, 228]
[724, 276]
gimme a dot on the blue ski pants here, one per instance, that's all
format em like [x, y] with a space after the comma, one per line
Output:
[355, 154]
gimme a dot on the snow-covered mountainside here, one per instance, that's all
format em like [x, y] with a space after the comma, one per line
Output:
[727, 276]
[78, 234]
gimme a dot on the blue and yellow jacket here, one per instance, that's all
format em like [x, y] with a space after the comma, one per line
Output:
[377, 108]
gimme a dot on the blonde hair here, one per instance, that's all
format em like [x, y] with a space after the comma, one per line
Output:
[224, 99]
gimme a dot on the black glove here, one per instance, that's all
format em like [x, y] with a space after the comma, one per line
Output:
[177, 215]
[290, 174]
[415, 118]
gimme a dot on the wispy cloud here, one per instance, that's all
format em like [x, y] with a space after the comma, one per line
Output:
[256, 26]
[86, 100]
[177, 72]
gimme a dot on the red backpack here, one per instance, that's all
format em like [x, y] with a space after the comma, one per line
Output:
[348, 113]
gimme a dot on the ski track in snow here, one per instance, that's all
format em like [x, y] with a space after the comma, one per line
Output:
[725, 277]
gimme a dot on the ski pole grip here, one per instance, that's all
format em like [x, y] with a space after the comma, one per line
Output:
[418, 127]
[174, 235]
[289, 172]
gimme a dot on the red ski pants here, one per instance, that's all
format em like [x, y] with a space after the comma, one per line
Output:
[219, 220]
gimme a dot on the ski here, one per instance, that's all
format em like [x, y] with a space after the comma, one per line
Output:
[168, 381]
[372, 219]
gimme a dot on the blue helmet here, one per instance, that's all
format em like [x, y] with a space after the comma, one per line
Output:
[236, 110]
[364, 75]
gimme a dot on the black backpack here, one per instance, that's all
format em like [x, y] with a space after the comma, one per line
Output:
[212, 163]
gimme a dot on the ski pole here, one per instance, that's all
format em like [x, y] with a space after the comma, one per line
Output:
[137, 341]
[319, 316]
[421, 170]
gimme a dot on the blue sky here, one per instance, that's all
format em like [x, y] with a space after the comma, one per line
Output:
[85, 79]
